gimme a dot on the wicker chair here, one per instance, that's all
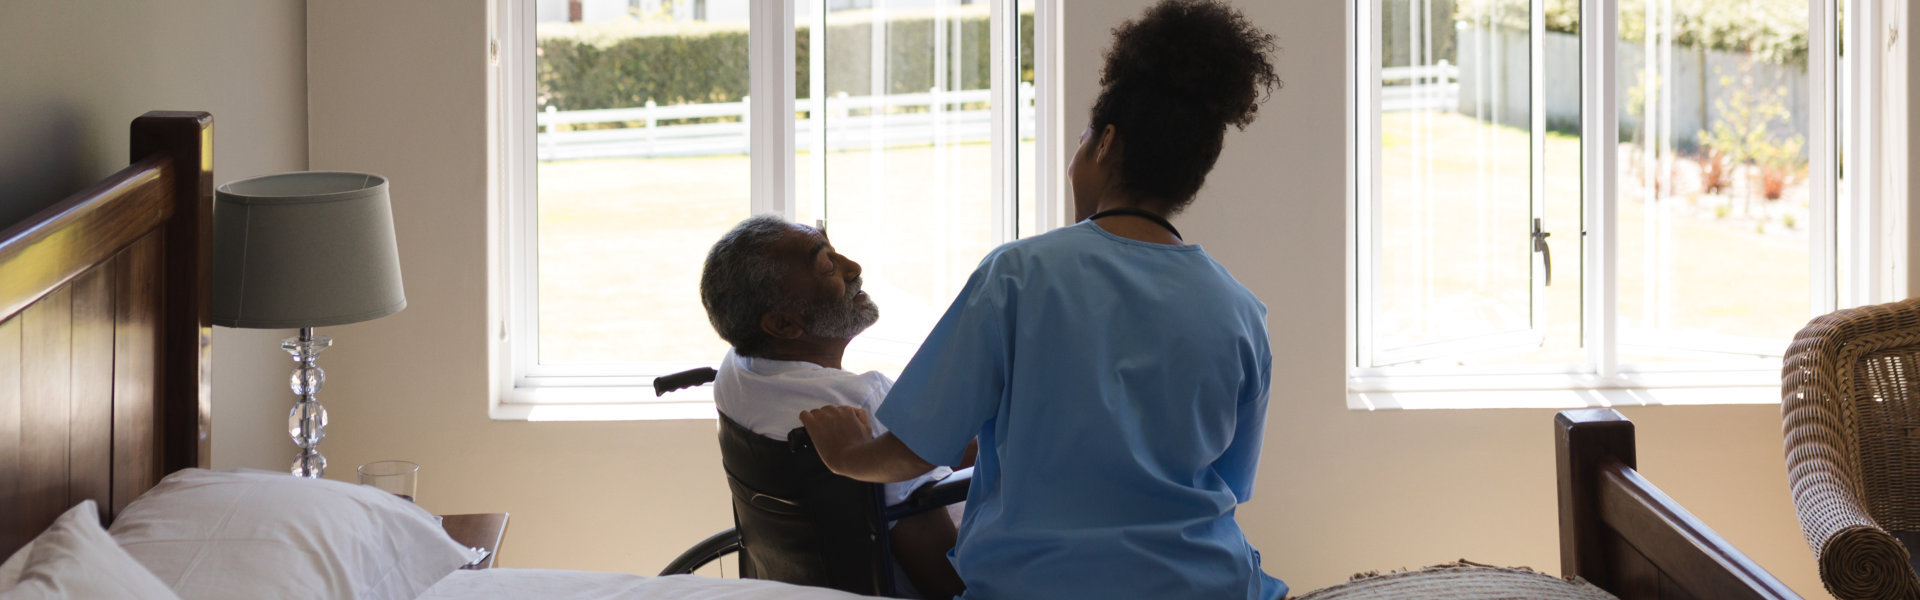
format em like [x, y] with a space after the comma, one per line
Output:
[1850, 412]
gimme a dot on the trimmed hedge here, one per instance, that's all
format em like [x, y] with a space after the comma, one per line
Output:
[577, 73]
[1433, 33]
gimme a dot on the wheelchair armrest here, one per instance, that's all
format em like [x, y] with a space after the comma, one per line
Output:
[684, 379]
[949, 490]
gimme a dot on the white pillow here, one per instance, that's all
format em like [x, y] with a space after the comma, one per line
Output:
[10, 570]
[258, 534]
[75, 558]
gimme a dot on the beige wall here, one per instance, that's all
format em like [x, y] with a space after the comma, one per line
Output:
[1340, 491]
[76, 74]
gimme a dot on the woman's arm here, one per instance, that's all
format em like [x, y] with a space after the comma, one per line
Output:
[847, 446]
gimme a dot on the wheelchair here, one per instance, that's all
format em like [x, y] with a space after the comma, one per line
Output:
[797, 522]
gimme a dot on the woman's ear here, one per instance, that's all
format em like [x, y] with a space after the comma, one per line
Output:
[1109, 147]
[783, 324]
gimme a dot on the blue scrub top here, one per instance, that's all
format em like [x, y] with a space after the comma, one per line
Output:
[1118, 389]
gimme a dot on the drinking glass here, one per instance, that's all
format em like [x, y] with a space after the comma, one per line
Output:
[397, 477]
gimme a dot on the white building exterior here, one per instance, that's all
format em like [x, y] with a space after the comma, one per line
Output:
[595, 11]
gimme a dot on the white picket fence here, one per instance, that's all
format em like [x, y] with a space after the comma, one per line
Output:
[1422, 87]
[852, 121]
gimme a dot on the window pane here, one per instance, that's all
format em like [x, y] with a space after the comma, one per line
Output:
[1029, 159]
[1459, 279]
[809, 167]
[642, 165]
[1714, 253]
[1843, 140]
[1561, 302]
[908, 163]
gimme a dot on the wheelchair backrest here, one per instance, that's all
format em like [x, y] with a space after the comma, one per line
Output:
[799, 522]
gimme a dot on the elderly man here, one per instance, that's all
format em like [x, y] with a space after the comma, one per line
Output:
[789, 304]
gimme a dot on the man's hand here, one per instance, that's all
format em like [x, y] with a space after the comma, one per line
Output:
[836, 430]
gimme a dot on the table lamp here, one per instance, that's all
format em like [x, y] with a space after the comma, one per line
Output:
[304, 250]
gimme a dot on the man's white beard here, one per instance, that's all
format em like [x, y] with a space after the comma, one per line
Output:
[845, 319]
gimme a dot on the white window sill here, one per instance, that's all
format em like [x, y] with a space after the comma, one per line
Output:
[1562, 398]
[560, 404]
[1746, 382]
[622, 403]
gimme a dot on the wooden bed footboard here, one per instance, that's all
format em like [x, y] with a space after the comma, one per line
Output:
[1621, 533]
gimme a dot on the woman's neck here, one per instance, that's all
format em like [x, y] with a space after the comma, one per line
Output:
[1134, 227]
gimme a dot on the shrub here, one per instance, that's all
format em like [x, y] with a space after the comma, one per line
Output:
[588, 68]
[1434, 34]
[575, 73]
[1773, 181]
[1714, 176]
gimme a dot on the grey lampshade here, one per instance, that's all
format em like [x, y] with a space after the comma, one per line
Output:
[304, 249]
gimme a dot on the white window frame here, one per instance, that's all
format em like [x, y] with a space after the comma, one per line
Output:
[1874, 229]
[522, 389]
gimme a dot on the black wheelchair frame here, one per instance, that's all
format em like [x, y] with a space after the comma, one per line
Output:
[750, 505]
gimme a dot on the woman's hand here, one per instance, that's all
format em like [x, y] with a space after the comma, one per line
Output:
[836, 430]
[844, 439]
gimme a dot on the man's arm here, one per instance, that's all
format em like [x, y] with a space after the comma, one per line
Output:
[847, 446]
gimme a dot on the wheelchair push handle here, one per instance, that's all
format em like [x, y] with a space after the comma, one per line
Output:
[683, 380]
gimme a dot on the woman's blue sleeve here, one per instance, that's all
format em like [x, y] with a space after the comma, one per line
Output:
[955, 382]
[1241, 461]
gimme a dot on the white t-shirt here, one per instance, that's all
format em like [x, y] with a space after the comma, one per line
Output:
[767, 396]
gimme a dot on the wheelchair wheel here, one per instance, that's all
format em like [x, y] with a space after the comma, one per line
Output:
[701, 554]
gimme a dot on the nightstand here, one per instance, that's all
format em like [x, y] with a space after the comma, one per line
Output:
[482, 530]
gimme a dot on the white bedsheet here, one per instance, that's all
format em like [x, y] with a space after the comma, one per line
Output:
[550, 584]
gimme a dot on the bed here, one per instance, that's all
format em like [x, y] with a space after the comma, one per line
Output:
[1620, 532]
[104, 355]
[104, 324]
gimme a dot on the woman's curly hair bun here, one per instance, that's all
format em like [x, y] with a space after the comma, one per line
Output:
[1173, 81]
[1203, 50]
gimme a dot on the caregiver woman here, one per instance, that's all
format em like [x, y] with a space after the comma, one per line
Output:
[1115, 376]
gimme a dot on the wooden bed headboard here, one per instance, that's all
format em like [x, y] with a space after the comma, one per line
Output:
[104, 333]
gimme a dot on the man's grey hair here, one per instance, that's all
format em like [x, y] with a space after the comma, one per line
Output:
[741, 282]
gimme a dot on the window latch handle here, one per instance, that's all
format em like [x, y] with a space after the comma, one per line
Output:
[1540, 246]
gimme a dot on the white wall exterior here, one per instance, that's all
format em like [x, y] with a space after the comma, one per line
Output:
[550, 10]
[1502, 91]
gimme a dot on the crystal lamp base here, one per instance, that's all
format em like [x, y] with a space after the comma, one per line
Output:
[307, 422]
